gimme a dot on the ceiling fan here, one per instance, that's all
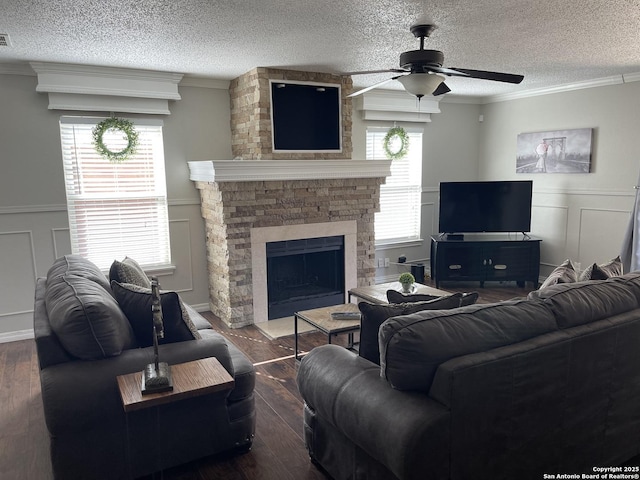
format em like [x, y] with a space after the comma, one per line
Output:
[419, 70]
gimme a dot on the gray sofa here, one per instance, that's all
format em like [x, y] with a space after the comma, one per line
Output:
[548, 384]
[82, 346]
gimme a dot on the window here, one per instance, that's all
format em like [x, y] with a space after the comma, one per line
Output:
[399, 216]
[116, 209]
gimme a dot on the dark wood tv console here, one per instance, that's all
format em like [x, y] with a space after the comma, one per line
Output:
[485, 258]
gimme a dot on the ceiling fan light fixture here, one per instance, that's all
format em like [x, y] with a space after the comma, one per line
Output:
[421, 84]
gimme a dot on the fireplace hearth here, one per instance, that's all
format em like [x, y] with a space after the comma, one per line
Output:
[304, 274]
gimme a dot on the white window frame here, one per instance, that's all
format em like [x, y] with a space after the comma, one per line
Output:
[110, 215]
[399, 219]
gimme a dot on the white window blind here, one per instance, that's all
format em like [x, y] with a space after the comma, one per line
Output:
[399, 216]
[116, 209]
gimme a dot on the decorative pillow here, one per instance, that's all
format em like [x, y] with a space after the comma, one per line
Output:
[469, 298]
[86, 318]
[394, 296]
[564, 273]
[374, 315]
[128, 271]
[610, 269]
[136, 301]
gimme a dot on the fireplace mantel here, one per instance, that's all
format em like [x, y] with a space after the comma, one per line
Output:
[266, 170]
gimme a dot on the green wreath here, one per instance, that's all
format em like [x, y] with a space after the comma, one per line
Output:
[393, 134]
[118, 124]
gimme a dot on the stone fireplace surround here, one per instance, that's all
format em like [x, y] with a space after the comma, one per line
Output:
[270, 196]
[246, 203]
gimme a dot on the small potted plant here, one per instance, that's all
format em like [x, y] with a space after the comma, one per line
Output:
[407, 280]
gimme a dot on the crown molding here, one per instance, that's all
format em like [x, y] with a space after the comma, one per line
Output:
[27, 69]
[569, 87]
[92, 80]
[276, 170]
[204, 82]
[106, 89]
[16, 69]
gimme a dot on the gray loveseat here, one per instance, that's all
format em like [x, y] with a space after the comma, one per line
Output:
[84, 342]
[514, 390]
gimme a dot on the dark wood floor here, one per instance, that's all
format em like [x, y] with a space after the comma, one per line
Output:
[278, 451]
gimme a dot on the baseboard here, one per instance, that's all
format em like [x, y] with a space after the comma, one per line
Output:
[200, 307]
[16, 336]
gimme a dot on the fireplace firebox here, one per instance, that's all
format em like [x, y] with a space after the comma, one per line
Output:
[304, 274]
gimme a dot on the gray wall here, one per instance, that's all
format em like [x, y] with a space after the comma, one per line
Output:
[578, 216]
[450, 152]
[33, 218]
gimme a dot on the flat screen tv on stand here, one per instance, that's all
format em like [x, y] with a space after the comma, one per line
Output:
[486, 206]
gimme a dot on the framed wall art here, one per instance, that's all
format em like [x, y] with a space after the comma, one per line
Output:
[555, 151]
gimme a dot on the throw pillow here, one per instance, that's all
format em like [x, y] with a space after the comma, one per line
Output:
[564, 273]
[86, 318]
[469, 298]
[610, 269]
[374, 315]
[394, 296]
[128, 271]
[135, 302]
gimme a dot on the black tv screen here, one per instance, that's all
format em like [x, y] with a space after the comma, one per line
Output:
[500, 206]
[305, 117]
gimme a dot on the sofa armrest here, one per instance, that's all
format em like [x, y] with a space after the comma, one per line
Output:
[81, 394]
[408, 432]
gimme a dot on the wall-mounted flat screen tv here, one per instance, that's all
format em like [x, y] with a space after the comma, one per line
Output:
[306, 117]
[498, 206]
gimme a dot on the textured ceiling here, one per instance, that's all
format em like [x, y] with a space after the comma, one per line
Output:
[550, 42]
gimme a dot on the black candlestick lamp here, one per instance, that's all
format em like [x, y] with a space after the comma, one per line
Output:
[156, 376]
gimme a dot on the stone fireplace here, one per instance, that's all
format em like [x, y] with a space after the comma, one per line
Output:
[265, 196]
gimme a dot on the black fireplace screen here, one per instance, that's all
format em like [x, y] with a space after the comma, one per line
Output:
[304, 274]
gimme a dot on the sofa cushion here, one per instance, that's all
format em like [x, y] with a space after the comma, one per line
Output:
[128, 271]
[413, 346]
[563, 273]
[373, 315]
[86, 318]
[585, 302]
[610, 269]
[79, 266]
[136, 301]
[630, 281]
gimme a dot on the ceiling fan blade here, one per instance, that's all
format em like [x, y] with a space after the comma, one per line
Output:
[497, 76]
[368, 72]
[375, 85]
[444, 70]
[441, 90]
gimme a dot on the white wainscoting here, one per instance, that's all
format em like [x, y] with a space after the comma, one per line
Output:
[600, 230]
[32, 237]
[551, 223]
